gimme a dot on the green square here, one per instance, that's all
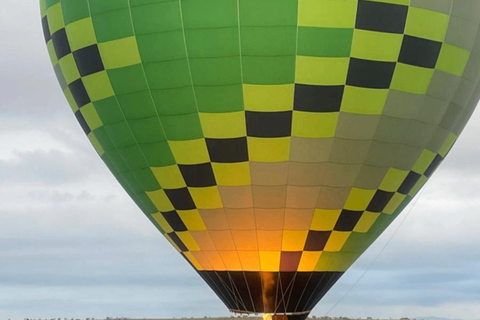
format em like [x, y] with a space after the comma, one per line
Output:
[49, 3]
[128, 80]
[148, 130]
[182, 127]
[131, 182]
[144, 203]
[168, 74]
[98, 86]
[156, 17]
[43, 8]
[104, 139]
[69, 68]
[119, 53]
[377, 46]
[113, 24]
[91, 117]
[55, 17]
[216, 71]
[324, 42]
[268, 12]
[269, 41]
[75, 10]
[158, 154]
[174, 101]
[116, 163]
[109, 111]
[209, 13]
[411, 79]
[70, 99]
[452, 59]
[163, 46]
[133, 157]
[80, 34]
[219, 98]
[146, 179]
[427, 24]
[269, 70]
[137, 105]
[120, 134]
[105, 6]
[51, 53]
[218, 42]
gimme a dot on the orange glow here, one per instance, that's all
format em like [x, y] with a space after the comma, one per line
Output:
[268, 293]
[267, 316]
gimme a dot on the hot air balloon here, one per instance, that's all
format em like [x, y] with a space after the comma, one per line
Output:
[269, 141]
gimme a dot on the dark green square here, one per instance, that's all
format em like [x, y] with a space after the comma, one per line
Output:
[182, 127]
[144, 203]
[269, 41]
[174, 101]
[163, 46]
[112, 24]
[104, 139]
[158, 154]
[324, 42]
[49, 3]
[268, 12]
[146, 179]
[269, 70]
[108, 110]
[220, 98]
[128, 80]
[148, 130]
[132, 183]
[133, 157]
[120, 134]
[218, 42]
[209, 13]
[216, 71]
[74, 10]
[114, 160]
[156, 17]
[168, 74]
[137, 105]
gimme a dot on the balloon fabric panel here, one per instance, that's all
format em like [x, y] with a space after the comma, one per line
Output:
[269, 141]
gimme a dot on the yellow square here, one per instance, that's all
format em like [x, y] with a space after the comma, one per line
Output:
[206, 198]
[309, 260]
[269, 260]
[452, 59]
[160, 200]
[314, 124]
[190, 151]
[69, 68]
[426, 24]
[393, 204]
[363, 100]
[411, 79]
[169, 177]
[55, 18]
[424, 161]
[294, 240]
[223, 125]
[90, 115]
[232, 174]
[327, 13]
[447, 145]
[120, 53]
[321, 70]
[193, 261]
[377, 46]
[269, 149]
[324, 220]
[51, 53]
[358, 199]
[268, 97]
[188, 241]
[70, 99]
[81, 34]
[393, 179]
[98, 86]
[192, 220]
[336, 241]
[335, 261]
[158, 217]
[366, 221]
[96, 144]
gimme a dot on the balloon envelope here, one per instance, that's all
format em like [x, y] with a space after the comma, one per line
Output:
[270, 141]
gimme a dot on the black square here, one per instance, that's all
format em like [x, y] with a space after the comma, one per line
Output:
[60, 43]
[269, 124]
[316, 240]
[318, 98]
[409, 182]
[174, 221]
[383, 17]
[370, 74]
[433, 166]
[419, 52]
[82, 122]
[228, 150]
[180, 199]
[198, 175]
[177, 241]
[79, 93]
[46, 29]
[380, 201]
[348, 220]
[88, 60]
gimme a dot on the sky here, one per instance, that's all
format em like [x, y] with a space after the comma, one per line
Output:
[72, 243]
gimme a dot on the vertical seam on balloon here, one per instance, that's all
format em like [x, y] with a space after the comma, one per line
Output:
[119, 107]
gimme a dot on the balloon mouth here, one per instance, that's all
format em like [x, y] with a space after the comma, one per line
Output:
[280, 316]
